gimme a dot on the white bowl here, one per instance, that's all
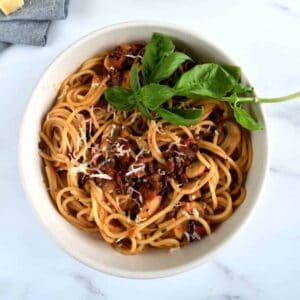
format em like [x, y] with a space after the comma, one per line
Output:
[88, 249]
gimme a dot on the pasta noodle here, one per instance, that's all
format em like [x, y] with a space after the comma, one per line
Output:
[140, 183]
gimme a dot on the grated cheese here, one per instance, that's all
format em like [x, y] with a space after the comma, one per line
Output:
[179, 159]
[122, 139]
[142, 151]
[95, 157]
[161, 172]
[82, 168]
[10, 6]
[120, 151]
[187, 236]
[95, 84]
[133, 56]
[133, 190]
[101, 176]
[177, 204]
[134, 168]
[120, 239]
[196, 236]
[195, 212]
[112, 130]
[179, 153]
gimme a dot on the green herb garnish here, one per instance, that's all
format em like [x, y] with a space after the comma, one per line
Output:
[186, 117]
[209, 81]
[153, 95]
[160, 61]
[120, 98]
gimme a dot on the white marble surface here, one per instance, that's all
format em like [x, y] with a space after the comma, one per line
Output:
[261, 263]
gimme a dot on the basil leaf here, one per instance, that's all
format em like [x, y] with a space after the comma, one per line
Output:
[241, 88]
[234, 71]
[145, 111]
[120, 98]
[154, 94]
[207, 80]
[188, 113]
[159, 47]
[134, 78]
[177, 118]
[244, 119]
[167, 66]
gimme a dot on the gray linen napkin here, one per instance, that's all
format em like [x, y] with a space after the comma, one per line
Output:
[30, 24]
[24, 32]
[39, 10]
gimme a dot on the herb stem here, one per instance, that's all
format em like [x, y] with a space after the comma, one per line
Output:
[264, 100]
[278, 99]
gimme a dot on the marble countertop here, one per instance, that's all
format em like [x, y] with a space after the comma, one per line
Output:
[261, 263]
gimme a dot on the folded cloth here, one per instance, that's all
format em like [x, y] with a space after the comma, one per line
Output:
[39, 10]
[24, 32]
[30, 24]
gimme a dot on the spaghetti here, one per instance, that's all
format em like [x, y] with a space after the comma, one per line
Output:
[140, 183]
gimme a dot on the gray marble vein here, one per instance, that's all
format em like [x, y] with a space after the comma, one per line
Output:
[225, 270]
[284, 172]
[89, 285]
[286, 9]
[281, 6]
[223, 297]
[235, 276]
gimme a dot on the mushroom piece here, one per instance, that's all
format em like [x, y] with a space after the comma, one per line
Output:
[193, 208]
[232, 137]
[180, 229]
[194, 169]
[149, 208]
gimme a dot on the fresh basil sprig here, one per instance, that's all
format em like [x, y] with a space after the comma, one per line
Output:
[148, 99]
[209, 81]
[160, 61]
[159, 47]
